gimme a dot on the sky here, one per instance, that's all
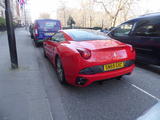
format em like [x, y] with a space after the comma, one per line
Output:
[152, 5]
[51, 6]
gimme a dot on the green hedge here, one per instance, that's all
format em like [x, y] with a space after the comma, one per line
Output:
[2, 21]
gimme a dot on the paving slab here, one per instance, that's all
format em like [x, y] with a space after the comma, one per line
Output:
[22, 93]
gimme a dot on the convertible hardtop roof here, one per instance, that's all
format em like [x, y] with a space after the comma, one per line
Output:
[72, 31]
[85, 34]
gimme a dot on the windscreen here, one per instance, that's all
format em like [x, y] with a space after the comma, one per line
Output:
[80, 35]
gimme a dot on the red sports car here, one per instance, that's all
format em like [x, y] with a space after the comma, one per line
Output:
[82, 57]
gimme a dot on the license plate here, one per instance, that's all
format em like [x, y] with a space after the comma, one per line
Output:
[49, 34]
[113, 66]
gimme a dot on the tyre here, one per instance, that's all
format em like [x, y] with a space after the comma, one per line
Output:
[36, 44]
[44, 53]
[60, 71]
[32, 37]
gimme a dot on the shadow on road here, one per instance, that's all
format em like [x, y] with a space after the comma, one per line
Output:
[114, 99]
[152, 68]
[110, 83]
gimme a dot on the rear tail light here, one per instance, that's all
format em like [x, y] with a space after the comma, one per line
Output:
[36, 30]
[85, 53]
[131, 48]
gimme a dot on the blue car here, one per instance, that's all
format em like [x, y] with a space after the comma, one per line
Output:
[45, 28]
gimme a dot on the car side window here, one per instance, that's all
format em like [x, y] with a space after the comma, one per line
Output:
[58, 37]
[123, 29]
[150, 27]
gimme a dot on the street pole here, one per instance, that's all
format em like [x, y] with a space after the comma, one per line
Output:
[25, 17]
[11, 36]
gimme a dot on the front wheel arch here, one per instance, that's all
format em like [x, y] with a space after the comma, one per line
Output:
[56, 57]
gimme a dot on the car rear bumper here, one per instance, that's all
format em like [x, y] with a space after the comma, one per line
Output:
[41, 35]
[100, 68]
[102, 76]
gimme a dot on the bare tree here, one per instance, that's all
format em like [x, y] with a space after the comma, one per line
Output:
[115, 12]
[44, 15]
[87, 8]
[63, 10]
[114, 7]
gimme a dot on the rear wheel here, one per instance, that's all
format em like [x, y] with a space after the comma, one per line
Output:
[36, 43]
[44, 53]
[32, 37]
[60, 71]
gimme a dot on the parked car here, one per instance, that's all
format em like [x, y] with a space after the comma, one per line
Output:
[105, 31]
[82, 57]
[144, 34]
[44, 28]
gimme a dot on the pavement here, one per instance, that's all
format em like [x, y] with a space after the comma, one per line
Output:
[33, 92]
[22, 94]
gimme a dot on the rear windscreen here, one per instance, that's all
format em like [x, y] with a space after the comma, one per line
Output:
[53, 25]
[79, 35]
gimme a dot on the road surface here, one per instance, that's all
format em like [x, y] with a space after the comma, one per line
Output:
[124, 99]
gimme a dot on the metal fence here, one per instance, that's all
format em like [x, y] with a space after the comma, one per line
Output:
[3, 28]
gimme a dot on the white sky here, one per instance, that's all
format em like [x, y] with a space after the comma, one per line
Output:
[50, 6]
[152, 5]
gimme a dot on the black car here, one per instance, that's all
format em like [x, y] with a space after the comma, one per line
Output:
[144, 34]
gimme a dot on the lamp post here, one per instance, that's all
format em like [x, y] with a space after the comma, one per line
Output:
[25, 17]
[11, 36]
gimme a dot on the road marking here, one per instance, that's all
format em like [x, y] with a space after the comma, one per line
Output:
[145, 92]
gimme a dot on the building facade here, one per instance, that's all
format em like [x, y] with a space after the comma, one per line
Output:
[16, 11]
[2, 9]
[20, 12]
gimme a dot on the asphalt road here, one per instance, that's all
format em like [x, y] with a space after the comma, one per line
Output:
[124, 99]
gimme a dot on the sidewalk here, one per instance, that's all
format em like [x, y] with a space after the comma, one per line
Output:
[22, 93]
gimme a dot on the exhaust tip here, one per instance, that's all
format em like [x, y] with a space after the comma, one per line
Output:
[81, 81]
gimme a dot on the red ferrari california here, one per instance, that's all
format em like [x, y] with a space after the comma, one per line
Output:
[82, 57]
